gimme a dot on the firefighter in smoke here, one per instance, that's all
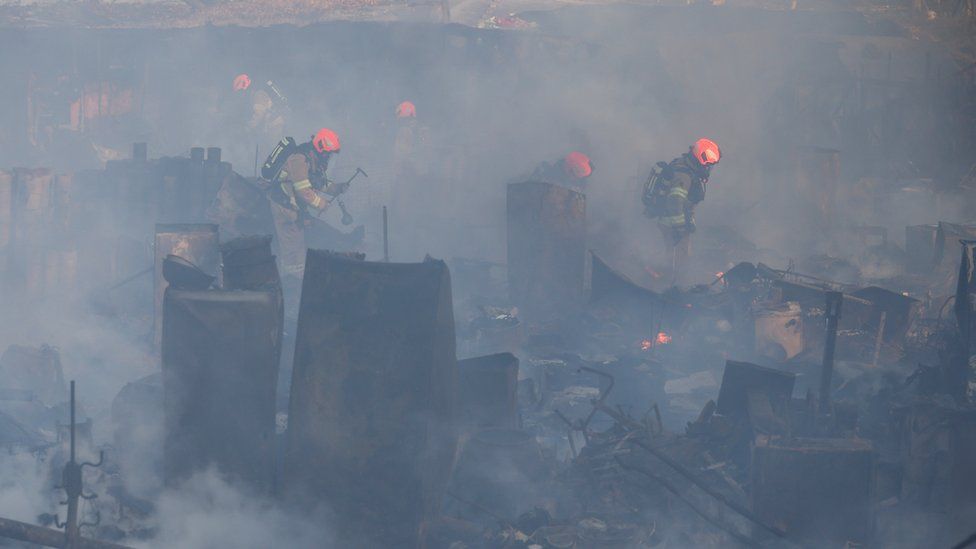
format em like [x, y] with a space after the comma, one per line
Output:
[266, 119]
[673, 190]
[571, 171]
[404, 148]
[295, 177]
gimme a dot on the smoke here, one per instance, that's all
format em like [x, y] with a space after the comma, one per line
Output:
[206, 511]
[23, 487]
[627, 85]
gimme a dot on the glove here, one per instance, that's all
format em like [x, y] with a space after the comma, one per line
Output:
[336, 189]
[690, 224]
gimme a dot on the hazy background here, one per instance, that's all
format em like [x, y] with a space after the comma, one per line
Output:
[629, 86]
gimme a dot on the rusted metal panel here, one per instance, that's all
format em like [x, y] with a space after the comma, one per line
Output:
[815, 489]
[373, 395]
[486, 389]
[220, 355]
[197, 243]
[546, 248]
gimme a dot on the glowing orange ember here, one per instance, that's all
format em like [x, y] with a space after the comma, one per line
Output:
[719, 274]
[661, 339]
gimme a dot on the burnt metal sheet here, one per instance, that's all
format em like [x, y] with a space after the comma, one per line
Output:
[247, 263]
[608, 283]
[815, 489]
[373, 395]
[900, 311]
[742, 378]
[197, 243]
[487, 391]
[220, 357]
[546, 248]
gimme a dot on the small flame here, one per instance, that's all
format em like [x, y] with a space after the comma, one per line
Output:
[720, 274]
[660, 339]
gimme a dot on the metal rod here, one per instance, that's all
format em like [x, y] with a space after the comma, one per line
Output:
[130, 278]
[386, 237]
[834, 300]
[72, 420]
[72, 486]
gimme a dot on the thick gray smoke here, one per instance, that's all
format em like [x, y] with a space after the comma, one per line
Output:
[628, 86]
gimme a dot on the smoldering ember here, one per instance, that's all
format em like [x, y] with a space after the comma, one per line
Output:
[485, 274]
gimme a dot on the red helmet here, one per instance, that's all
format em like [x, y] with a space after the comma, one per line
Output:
[242, 82]
[577, 165]
[325, 140]
[706, 151]
[406, 110]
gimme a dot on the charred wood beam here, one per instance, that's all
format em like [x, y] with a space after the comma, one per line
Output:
[46, 537]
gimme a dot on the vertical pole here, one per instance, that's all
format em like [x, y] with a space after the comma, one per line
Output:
[72, 482]
[386, 238]
[72, 420]
[833, 304]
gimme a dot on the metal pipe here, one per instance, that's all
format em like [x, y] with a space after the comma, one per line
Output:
[72, 486]
[834, 300]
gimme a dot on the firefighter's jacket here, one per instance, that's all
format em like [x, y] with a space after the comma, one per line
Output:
[295, 179]
[687, 189]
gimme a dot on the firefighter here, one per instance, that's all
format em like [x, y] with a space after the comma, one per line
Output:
[266, 120]
[672, 192]
[571, 171]
[295, 175]
[404, 148]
